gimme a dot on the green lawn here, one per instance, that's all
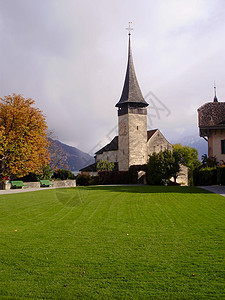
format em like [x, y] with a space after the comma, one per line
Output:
[112, 243]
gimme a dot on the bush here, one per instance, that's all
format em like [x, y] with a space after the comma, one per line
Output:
[114, 177]
[83, 179]
[221, 175]
[205, 176]
[161, 166]
[63, 174]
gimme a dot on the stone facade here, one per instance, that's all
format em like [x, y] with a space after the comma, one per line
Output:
[111, 156]
[157, 142]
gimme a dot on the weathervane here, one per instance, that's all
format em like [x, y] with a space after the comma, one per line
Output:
[129, 28]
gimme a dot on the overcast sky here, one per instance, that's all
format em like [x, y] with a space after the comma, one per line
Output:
[70, 56]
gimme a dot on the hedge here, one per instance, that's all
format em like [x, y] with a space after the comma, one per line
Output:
[221, 175]
[206, 176]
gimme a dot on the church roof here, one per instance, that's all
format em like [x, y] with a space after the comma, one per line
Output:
[150, 133]
[112, 146]
[131, 93]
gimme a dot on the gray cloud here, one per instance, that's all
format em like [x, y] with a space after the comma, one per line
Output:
[70, 56]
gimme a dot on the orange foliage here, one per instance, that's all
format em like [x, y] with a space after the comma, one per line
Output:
[23, 136]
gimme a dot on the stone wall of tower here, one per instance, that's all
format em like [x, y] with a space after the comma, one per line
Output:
[137, 139]
[123, 143]
[132, 143]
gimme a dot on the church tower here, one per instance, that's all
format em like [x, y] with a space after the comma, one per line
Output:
[132, 120]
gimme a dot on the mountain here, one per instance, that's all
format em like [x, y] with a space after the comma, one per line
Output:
[196, 142]
[76, 158]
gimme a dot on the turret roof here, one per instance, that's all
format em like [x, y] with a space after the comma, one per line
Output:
[131, 93]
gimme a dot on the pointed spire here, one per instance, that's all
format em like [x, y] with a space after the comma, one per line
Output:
[215, 98]
[131, 93]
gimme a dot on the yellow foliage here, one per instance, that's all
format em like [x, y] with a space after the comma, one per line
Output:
[23, 136]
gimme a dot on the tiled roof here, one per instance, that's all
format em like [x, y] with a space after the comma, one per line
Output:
[131, 93]
[212, 114]
[90, 168]
[112, 146]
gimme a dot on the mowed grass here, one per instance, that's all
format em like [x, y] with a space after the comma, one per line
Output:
[122, 242]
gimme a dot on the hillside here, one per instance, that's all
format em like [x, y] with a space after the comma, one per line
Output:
[76, 158]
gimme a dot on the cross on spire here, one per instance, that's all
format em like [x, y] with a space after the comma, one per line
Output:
[129, 28]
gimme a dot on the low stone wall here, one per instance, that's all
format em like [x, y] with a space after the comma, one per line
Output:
[56, 184]
[64, 183]
[31, 185]
[36, 185]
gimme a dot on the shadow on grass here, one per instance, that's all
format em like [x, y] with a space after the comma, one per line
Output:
[80, 195]
[148, 189]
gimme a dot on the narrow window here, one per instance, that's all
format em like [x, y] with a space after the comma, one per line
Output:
[137, 127]
[222, 146]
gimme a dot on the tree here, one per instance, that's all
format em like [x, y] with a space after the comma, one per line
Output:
[186, 156]
[104, 165]
[161, 166]
[23, 137]
[209, 161]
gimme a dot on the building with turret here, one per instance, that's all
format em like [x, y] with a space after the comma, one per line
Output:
[211, 122]
[134, 142]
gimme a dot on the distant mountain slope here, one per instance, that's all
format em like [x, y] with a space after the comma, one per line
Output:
[76, 158]
[194, 142]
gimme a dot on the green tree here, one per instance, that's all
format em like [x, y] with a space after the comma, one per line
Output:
[104, 165]
[188, 157]
[161, 166]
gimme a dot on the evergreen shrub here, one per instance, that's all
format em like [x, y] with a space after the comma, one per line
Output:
[83, 179]
[63, 174]
[113, 177]
[221, 175]
[205, 176]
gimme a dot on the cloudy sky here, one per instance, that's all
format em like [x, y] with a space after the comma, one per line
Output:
[71, 55]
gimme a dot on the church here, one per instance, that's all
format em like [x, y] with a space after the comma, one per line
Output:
[134, 142]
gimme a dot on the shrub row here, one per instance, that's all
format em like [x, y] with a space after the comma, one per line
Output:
[112, 177]
[209, 176]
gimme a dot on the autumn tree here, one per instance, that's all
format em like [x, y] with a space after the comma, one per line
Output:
[23, 137]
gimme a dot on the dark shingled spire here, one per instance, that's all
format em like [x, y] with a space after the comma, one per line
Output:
[131, 94]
